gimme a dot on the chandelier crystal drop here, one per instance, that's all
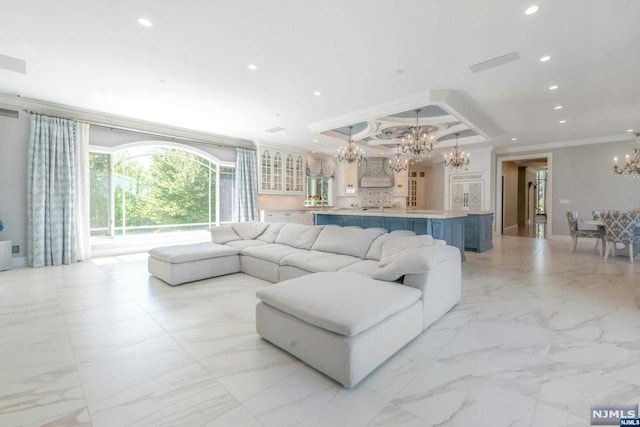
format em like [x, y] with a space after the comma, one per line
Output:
[418, 141]
[631, 169]
[398, 165]
[351, 154]
[457, 158]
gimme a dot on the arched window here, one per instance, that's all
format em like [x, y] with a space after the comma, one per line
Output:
[154, 189]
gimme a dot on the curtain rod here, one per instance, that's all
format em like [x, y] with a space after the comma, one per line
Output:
[112, 127]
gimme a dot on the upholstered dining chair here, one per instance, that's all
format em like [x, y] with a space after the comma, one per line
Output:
[619, 227]
[575, 232]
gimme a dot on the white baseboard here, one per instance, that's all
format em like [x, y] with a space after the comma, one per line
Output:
[19, 261]
[559, 237]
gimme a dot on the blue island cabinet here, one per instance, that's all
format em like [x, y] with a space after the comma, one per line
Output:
[478, 232]
[451, 230]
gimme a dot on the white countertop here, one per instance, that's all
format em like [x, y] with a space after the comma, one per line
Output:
[398, 213]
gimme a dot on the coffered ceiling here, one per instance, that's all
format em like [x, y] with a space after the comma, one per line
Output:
[318, 62]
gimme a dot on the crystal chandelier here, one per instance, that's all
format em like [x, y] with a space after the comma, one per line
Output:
[350, 154]
[631, 169]
[417, 142]
[457, 157]
[398, 165]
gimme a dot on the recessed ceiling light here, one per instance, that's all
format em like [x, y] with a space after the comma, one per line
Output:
[554, 87]
[282, 133]
[629, 130]
[531, 10]
[252, 67]
[545, 58]
[317, 93]
[562, 122]
[315, 140]
[145, 22]
[558, 107]
[514, 139]
[162, 81]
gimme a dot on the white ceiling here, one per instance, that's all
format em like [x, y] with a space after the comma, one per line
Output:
[94, 55]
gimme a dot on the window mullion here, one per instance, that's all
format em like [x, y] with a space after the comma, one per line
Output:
[217, 195]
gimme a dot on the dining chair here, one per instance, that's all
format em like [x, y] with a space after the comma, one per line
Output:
[572, 218]
[619, 227]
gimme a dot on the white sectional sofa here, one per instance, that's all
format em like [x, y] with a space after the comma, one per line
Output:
[349, 298]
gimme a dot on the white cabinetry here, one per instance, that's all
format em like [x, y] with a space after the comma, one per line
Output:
[347, 178]
[401, 184]
[281, 171]
[470, 189]
[466, 192]
[301, 217]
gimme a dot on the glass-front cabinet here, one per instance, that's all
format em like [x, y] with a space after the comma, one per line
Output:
[281, 171]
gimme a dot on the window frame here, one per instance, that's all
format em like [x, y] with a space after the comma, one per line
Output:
[112, 152]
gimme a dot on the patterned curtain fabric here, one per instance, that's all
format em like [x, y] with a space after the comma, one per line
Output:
[246, 186]
[320, 168]
[51, 199]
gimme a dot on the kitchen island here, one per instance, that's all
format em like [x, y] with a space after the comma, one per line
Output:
[445, 225]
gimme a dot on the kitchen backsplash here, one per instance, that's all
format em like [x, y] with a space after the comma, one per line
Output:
[369, 198]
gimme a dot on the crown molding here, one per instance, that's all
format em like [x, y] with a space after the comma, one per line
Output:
[563, 144]
[123, 123]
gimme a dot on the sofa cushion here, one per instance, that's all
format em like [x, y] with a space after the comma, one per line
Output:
[193, 252]
[344, 303]
[223, 234]
[269, 235]
[298, 235]
[375, 250]
[241, 244]
[345, 241]
[395, 248]
[366, 267]
[316, 261]
[272, 252]
[413, 261]
[249, 230]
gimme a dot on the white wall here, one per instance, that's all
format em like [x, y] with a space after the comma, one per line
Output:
[435, 187]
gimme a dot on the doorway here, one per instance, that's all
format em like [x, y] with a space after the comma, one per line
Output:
[523, 195]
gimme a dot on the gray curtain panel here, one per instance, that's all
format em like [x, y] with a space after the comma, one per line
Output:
[51, 198]
[246, 186]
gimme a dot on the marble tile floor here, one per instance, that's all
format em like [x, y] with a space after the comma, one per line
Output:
[540, 335]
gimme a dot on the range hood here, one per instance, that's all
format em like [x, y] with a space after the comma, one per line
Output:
[375, 174]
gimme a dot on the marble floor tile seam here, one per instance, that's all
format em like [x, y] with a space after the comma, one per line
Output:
[284, 378]
[193, 360]
[208, 380]
[77, 370]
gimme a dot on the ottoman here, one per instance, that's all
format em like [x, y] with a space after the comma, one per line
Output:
[342, 324]
[186, 263]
